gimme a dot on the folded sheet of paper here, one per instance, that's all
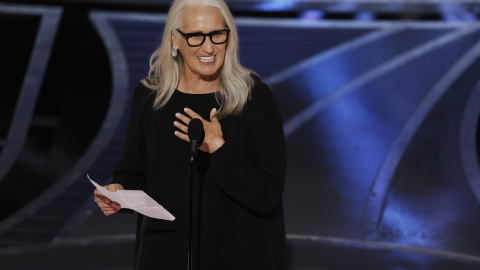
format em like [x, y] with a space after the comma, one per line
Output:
[136, 200]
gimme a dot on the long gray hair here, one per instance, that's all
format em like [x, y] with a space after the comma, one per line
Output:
[163, 77]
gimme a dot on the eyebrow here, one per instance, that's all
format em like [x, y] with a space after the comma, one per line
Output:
[225, 27]
[201, 32]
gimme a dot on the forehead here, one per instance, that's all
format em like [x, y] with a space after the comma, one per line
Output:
[200, 18]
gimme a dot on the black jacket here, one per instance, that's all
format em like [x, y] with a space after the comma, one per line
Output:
[240, 185]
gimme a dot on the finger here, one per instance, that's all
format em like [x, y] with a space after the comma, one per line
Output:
[110, 209]
[113, 207]
[111, 187]
[109, 212]
[213, 114]
[182, 136]
[110, 204]
[179, 125]
[101, 198]
[183, 118]
[114, 187]
[106, 206]
[193, 114]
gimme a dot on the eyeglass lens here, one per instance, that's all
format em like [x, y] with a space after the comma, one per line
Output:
[217, 37]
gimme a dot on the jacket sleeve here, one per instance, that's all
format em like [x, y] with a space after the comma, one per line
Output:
[130, 170]
[256, 177]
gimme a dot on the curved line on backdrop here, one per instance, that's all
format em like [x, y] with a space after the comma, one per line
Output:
[27, 99]
[311, 111]
[296, 23]
[331, 53]
[102, 21]
[85, 242]
[381, 183]
[385, 29]
[322, 240]
[468, 141]
[118, 104]
[365, 244]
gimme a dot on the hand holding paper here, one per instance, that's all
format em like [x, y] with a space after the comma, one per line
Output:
[136, 200]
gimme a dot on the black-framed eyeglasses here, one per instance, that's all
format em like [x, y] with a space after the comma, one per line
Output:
[197, 39]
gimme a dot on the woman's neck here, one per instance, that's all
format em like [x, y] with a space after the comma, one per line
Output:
[197, 85]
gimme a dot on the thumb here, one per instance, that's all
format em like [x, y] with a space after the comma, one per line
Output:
[112, 187]
[213, 114]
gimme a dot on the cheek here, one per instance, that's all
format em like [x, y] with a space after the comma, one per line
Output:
[223, 53]
[190, 55]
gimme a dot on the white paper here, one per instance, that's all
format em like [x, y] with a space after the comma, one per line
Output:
[136, 200]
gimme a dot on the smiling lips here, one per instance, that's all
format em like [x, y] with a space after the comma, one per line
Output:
[206, 59]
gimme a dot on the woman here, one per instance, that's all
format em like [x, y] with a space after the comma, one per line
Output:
[240, 170]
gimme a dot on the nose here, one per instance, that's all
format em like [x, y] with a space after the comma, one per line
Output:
[208, 46]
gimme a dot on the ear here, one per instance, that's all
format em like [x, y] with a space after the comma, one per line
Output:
[174, 40]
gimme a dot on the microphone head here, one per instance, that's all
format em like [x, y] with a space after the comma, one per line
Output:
[196, 131]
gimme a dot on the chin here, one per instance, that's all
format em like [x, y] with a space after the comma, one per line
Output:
[211, 73]
[210, 77]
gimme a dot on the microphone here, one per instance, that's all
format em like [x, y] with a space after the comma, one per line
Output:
[196, 134]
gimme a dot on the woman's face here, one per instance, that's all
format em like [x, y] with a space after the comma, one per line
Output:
[204, 61]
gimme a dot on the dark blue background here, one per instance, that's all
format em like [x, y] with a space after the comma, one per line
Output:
[380, 116]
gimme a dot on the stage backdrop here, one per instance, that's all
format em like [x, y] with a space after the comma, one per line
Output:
[380, 117]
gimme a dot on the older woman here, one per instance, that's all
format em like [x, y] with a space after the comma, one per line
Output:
[240, 170]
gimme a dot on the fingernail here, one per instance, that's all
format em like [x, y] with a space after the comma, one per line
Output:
[186, 109]
[177, 114]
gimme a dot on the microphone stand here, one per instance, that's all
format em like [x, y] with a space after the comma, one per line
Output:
[196, 134]
[192, 236]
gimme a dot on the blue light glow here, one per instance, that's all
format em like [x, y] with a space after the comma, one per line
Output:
[456, 12]
[275, 5]
[463, 16]
[365, 16]
[312, 15]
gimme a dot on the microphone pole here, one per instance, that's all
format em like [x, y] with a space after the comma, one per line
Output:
[196, 134]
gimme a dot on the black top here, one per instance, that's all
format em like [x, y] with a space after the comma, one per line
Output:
[241, 184]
